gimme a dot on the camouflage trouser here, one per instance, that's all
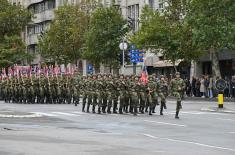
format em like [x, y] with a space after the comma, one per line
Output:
[84, 96]
[100, 95]
[94, 98]
[122, 98]
[109, 99]
[134, 100]
[178, 97]
[115, 95]
[151, 98]
[142, 99]
[162, 96]
[104, 98]
[127, 100]
[89, 97]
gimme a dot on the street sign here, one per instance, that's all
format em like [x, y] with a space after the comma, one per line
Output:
[136, 56]
[220, 84]
[123, 46]
[89, 68]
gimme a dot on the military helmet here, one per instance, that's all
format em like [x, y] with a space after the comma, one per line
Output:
[177, 73]
[162, 76]
[150, 77]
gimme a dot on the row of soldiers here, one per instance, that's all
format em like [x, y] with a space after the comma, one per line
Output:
[106, 92]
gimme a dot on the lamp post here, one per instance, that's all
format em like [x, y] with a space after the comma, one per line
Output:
[123, 47]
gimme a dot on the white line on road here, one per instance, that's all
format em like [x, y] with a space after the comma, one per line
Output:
[232, 132]
[66, 114]
[181, 125]
[44, 114]
[225, 119]
[189, 142]
[81, 113]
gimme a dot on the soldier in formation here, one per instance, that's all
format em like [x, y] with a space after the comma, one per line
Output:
[98, 93]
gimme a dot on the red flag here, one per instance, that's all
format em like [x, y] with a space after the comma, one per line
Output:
[144, 76]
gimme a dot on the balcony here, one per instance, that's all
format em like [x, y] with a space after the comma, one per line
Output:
[32, 39]
[44, 16]
[30, 2]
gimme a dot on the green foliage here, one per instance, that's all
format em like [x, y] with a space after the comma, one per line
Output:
[63, 42]
[167, 32]
[104, 36]
[212, 23]
[13, 20]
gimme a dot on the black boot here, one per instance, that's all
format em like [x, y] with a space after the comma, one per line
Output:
[99, 111]
[146, 109]
[150, 111]
[83, 107]
[142, 110]
[164, 105]
[93, 109]
[177, 115]
[135, 111]
[103, 109]
[88, 107]
[114, 110]
[120, 110]
[153, 109]
[131, 109]
[161, 109]
[109, 110]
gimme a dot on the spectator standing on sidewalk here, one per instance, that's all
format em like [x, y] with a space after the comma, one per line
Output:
[206, 83]
[198, 84]
[210, 87]
[202, 87]
[193, 84]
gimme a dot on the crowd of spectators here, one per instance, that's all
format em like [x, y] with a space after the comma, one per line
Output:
[204, 87]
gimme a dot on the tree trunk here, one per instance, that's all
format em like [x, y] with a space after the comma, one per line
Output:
[215, 63]
[174, 66]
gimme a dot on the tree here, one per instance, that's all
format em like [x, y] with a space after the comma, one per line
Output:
[63, 42]
[13, 20]
[104, 36]
[167, 32]
[213, 27]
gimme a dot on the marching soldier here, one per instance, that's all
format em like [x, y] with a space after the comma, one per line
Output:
[177, 85]
[151, 94]
[163, 92]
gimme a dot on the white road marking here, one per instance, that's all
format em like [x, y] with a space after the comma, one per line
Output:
[225, 119]
[232, 132]
[66, 114]
[189, 142]
[81, 113]
[21, 116]
[181, 125]
[195, 113]
[45, 114]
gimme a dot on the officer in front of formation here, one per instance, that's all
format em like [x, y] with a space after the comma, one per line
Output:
[177, 85]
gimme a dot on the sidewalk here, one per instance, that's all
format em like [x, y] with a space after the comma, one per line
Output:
[220, 110]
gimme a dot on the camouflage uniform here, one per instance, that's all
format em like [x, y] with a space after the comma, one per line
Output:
[163, 92]
[177, 85]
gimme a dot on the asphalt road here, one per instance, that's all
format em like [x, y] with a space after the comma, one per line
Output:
[65, 130]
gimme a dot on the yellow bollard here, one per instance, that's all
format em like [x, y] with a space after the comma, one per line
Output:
[220, 100]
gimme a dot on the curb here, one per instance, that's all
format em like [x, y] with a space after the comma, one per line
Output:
[215, 109]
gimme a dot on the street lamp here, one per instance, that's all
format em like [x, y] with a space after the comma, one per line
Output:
[123, 47]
